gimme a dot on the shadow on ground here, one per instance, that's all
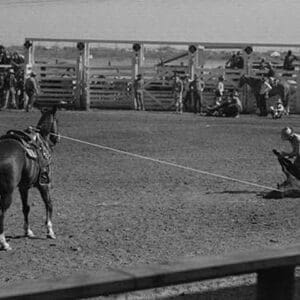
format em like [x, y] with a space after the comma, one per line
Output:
[284, 194]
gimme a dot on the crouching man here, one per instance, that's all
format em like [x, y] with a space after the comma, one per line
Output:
[290, 161]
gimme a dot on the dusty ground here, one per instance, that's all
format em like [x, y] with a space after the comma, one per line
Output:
[114, 210]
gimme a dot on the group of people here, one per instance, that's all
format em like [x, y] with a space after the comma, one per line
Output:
[14, 92]
[236, 61]
[269, 81]
[187, 93]
[10, 58]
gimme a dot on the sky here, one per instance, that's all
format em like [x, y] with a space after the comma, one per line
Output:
[267, 21]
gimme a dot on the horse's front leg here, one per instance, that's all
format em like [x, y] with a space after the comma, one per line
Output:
[26, 209]
[45, 193]
[4, 205]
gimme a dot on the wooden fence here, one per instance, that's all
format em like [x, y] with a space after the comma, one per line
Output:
[109, 86]
[89, 85]
[57, 82]
[275, 269]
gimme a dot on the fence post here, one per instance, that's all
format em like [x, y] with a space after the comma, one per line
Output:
[276, 284]
[133, 77]
[78, 83]
[86, 75]
[137, 64]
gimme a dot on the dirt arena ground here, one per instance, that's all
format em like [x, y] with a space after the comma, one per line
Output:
[112, 210]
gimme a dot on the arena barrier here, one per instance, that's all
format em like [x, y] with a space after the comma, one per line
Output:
[275, 269]
[57, 82]
[88, 84]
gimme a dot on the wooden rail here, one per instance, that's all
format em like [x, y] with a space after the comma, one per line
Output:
[275, 270]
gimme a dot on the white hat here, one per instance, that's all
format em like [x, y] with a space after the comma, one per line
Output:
[286, 133]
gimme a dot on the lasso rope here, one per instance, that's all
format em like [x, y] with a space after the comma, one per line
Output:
[167, 163]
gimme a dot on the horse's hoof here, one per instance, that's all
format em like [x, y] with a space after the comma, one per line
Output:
[51, 236]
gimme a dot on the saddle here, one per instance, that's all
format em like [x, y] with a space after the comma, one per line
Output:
[27, 140]
[35, 148]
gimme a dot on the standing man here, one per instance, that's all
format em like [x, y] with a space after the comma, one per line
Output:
[196, 90]
[31, 90]
[264, 95]
[10, 84]
[220, 90]
[290, 161]
[186, 95]
[239, 60]
[138, 92]
[177, 92]
[288, 61]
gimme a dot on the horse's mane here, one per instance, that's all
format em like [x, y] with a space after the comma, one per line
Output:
[48, 124]
[45, 123]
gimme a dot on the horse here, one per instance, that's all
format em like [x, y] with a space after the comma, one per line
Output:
[18, 170]
[282, 89]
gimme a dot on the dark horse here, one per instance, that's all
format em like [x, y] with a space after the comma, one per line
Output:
[17, 169]
[282, 89]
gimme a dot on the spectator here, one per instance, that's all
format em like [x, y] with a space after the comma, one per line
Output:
[2, 54]
[237, 102]
[264, 95]
[288, 61]
[177, 93]
[231, 63]
[31, 90]
[231, 107]
[195, 92]
[10, 83]
[186, 95]
[270, 73]
[7, 58]
[220, 89]
[278, 110]
[138, 93]
[239, 61]
[20, 88]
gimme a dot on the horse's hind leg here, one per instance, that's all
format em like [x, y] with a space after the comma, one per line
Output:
[4, 205]
[26, 208]
[44, 190]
